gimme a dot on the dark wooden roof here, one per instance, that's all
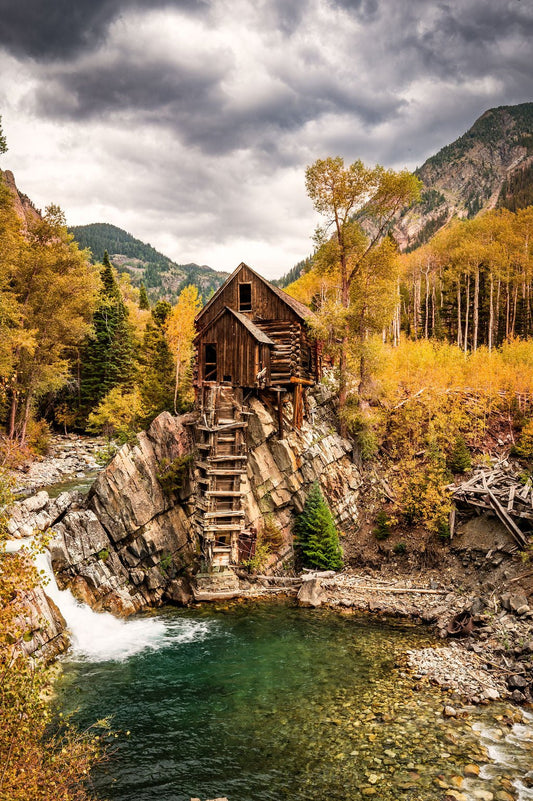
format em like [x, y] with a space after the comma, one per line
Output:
[252, 328]
[256, 332]
[299, 308]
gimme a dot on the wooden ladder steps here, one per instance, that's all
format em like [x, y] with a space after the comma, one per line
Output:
[226, 427]
[221, 471]
[224, 494]
[224, 513]
[226, 456]
[223, 527]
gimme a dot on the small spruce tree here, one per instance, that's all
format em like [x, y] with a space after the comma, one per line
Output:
[107, 355]
[459, 460]
[316, 534]
[144, 303]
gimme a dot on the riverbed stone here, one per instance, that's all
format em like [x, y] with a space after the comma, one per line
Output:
[311, 593]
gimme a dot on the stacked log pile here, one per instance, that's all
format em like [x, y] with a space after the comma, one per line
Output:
[503, 493]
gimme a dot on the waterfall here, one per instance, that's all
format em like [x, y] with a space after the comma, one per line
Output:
[99, 636]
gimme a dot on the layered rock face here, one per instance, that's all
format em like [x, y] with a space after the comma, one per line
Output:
[130, 544]
[281, 472]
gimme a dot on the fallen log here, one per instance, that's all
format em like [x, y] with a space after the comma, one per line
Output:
[416, 590]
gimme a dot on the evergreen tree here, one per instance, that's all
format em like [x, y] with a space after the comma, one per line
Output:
[156, 377]
[316, 534]
[107, 358]
[3, 143]
[144, 303]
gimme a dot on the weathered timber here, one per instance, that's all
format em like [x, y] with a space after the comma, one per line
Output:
[501, 492]
[507, 521]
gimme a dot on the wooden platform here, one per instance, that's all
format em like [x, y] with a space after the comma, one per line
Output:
[501, 492]
[220, 468]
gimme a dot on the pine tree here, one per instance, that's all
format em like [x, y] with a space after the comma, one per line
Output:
[107, 358]
[144, 303]
[156, 364]
[316, 534]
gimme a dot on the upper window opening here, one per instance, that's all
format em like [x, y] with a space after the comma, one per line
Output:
[210, 363]
[245, 297]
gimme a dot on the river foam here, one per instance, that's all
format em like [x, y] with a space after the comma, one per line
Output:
[101, 637]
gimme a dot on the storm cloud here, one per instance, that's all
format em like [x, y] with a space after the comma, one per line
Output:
[190, 123]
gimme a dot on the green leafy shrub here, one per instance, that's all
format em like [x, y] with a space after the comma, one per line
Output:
[382, 527]
[262, 552]
[524, 446]
[316, 534]
[400, 548]
[103, 554]
[165, 563]
[272, 533]
[39, 436]
[172, 475]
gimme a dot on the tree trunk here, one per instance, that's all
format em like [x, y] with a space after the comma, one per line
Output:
[27, 412]
[426, 320]
[12, 426]
[513, 316]
[491, 311]
[497, 317]
[476, 309]
[467, 312]
[459, 321]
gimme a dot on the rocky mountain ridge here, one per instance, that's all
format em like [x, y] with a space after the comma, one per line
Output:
[468, 175]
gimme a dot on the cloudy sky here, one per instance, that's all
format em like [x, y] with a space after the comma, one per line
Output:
[190, 122]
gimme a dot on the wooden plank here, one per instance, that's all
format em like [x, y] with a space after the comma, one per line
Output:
[225, 513]
[507, 521]
[451, 521]
[225, 427]
[510, 502]
[224, 494]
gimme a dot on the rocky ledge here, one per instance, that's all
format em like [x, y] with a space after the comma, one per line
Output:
[490, 655]
[130, 544]
[69, 457]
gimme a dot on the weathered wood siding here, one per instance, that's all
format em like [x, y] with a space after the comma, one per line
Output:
[266, 305]
[293, 354]
[239, 355]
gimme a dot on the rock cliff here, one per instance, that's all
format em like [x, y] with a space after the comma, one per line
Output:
[467, 176]
[130, 544]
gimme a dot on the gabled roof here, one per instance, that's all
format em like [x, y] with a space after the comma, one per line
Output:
[299, 308]
[256, 332]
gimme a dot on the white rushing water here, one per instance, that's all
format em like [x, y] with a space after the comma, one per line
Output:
[99, 636]
[511, 754]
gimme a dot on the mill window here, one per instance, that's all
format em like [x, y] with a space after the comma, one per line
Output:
[210, 362]
[245, 297]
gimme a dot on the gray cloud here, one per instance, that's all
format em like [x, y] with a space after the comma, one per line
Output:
[204, 113]
[58, 29]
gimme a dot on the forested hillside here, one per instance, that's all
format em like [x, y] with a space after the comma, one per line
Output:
[81, 346]
[163, 278]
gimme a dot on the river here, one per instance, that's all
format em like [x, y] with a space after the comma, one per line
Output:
[264, 702]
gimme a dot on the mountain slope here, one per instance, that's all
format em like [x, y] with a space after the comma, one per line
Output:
[163, 278]
[468, 175]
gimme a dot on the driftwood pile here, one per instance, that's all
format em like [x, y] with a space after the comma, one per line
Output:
[501, 492]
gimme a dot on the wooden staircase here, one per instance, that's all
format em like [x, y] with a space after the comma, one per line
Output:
[220, 467]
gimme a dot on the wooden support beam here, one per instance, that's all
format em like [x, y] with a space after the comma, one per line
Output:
[304, 381]
[507, 521]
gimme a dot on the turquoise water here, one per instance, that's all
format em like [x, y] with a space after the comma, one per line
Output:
[270, 702]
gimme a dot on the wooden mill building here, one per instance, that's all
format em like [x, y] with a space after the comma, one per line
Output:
[252, 338]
